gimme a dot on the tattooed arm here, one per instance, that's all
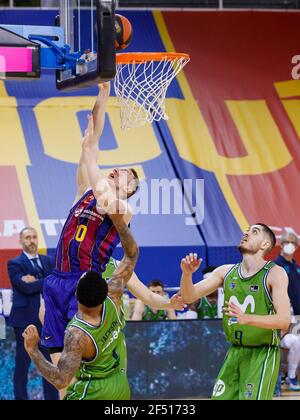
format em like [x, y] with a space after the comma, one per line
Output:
[126, 267]
[61, 375]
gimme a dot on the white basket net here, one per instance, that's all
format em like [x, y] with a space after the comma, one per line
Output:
[141, 86]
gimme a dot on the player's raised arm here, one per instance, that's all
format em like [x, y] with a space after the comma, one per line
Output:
[190, 292]
[146, 296]
[101, 189]
[126, 267]
[98, 116]
[107, 194]
[99, 111]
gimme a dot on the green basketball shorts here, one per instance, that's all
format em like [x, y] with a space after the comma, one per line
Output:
[248, 373]
[114, 387]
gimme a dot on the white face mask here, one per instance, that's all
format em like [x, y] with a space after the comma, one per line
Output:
[289, 249]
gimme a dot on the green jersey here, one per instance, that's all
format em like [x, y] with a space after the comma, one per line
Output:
[159, 315]
[104, 377]
[207, 310]
[110, 269]
[108, 341]
[251, 294]
[107, 275]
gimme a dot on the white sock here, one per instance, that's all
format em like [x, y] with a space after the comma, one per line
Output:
[293, 359]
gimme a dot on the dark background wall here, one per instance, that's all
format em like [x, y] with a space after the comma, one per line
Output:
[173, 359]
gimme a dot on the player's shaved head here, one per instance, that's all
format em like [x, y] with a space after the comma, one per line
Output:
[92, 290]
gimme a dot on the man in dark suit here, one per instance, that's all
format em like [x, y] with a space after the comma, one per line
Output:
[27, 273]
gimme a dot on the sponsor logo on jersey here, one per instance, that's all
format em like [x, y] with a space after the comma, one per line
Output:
[232, 286]
[248, 394]
[109, 331]
[113, 338]
[232, 321]
[254, 288]
[91, 215]
[78, 211]
[219, 388]
[88, 199]
[111, 335]
[249, 300]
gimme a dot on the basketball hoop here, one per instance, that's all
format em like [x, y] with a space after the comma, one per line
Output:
[141, 84]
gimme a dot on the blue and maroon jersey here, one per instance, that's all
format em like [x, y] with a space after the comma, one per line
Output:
[88, 238]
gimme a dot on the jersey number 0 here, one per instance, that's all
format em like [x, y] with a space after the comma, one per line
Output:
[81, 232]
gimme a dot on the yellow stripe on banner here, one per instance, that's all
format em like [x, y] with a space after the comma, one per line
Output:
[184, 148]
[6, 100]
[14, 153]
[30, 206]
[169, 46]
[292, 107]
[3, 92]
[62, 137]
[261, 137]
[288, 89]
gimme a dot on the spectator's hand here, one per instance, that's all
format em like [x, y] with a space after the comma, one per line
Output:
[177, 302]
[28, 278]
[190, 264]
[31, 338]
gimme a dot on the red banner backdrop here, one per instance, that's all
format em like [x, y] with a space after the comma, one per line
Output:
[240, 75]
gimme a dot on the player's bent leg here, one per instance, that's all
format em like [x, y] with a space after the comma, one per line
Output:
[227, 385]
[54, 325]
[259, 367]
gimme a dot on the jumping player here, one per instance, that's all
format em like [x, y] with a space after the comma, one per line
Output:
[256, 307]
[89, 236]
[94, 349]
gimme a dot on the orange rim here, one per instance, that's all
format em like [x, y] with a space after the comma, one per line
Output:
[127, 58]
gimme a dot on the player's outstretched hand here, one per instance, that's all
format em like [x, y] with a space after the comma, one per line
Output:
[177, 302]
[104, 88]
[190, 264]
[31, 338]
[88, 134]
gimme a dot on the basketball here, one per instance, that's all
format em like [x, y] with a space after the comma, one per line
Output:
[123, 32]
